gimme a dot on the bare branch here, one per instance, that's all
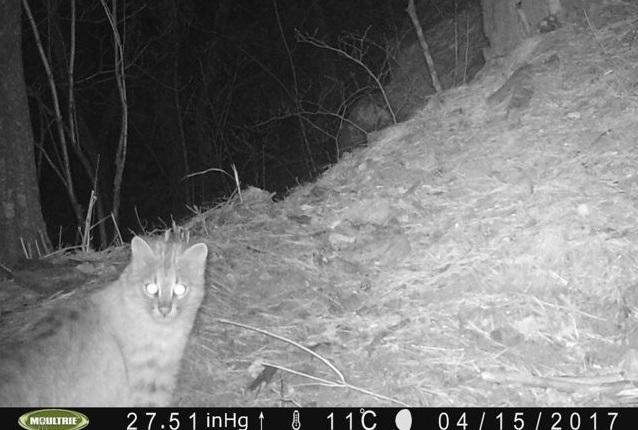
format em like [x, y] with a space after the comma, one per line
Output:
[120, 78]
[68, 180]
[358, 61]
[296, 98]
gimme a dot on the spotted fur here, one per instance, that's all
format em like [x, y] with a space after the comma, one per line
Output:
[119, 346]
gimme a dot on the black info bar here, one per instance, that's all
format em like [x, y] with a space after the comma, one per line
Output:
[360, 418]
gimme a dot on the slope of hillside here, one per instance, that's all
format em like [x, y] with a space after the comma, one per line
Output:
[482, 253]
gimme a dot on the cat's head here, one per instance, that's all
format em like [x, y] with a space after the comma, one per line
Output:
[166, 276]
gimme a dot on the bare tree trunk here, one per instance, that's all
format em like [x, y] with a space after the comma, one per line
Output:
[21, 222]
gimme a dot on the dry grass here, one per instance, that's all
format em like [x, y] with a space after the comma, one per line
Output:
[517, 283]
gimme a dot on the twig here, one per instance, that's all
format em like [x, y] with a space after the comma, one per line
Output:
[86, 233]
[592, 384]
[424, 46]
[331, 384]
[341, 383]
[467, 45]
[26, 252]
[118, 236]
[6, 269]
[234, 177]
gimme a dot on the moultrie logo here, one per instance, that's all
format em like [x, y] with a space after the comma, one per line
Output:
[50, 419]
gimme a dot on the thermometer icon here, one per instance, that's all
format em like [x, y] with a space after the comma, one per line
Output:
[296, 424]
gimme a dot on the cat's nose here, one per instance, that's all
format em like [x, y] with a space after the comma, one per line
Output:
[164, 310]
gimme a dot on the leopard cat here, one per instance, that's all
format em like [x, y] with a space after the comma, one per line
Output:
[120, 345]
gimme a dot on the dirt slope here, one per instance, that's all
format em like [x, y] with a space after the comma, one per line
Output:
[482, 253]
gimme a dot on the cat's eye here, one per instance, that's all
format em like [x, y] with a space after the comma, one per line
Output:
[179, 290]
[151, 288]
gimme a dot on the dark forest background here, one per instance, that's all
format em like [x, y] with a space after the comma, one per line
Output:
[168, 94]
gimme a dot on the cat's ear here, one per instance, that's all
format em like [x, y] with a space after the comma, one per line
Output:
[195, 255]
[140, 250]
